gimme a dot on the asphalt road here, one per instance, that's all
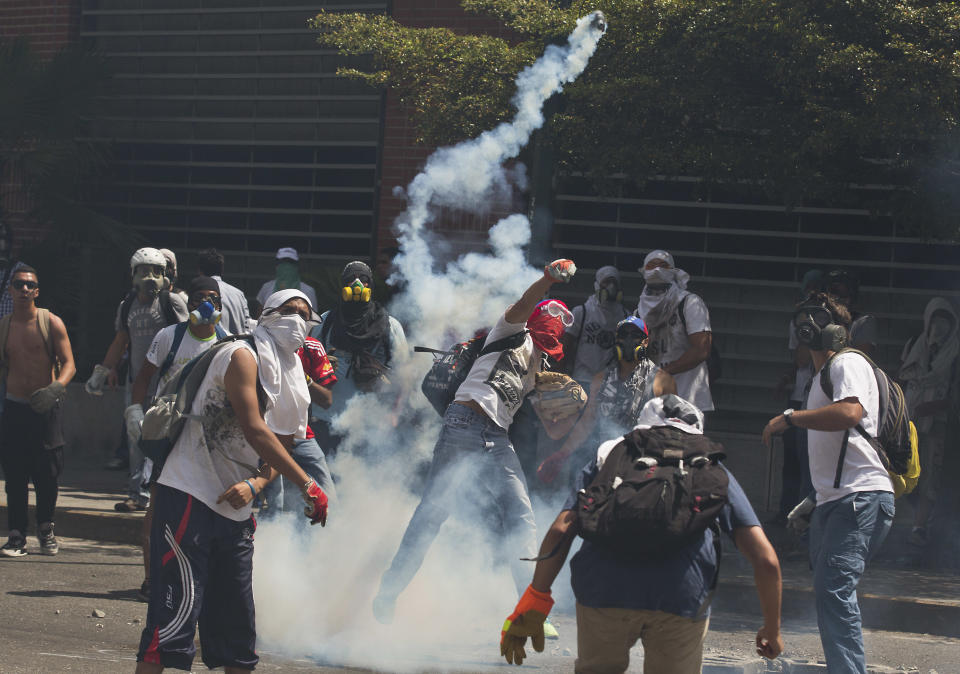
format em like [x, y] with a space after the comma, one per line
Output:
[47, 626]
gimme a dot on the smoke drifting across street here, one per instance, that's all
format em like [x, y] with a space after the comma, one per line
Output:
[314, 587]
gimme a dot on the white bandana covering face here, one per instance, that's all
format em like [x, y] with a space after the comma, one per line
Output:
[663, 291]
[665, 410]
[278, 366]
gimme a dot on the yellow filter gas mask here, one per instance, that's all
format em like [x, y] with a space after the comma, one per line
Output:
[356, 292]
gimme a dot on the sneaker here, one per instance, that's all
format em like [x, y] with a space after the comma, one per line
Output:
[144, 592]
[918, 537]
[48, 542]
[549, 631]
[16, 545]
[128, 506]
[115, 463]
[383, 607]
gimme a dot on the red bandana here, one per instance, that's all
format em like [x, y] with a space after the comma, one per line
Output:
[546, 329]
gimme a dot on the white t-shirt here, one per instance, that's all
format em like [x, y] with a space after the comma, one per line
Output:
[500, 381]
[212, 455]
[594, 330]
[190, 346]
[669, 341]
[852, 377]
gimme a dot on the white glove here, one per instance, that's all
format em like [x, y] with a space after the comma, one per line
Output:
[133, 417]
[94, 385]
[45, 399]
[799, 517]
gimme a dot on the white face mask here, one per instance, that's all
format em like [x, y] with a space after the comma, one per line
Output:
[659, 276]
[287, 332]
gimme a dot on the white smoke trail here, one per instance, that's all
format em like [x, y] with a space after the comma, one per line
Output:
[314, 588]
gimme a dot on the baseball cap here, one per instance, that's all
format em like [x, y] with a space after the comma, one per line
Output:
[288, 254]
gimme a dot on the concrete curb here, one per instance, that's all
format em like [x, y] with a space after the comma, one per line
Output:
[91, 524]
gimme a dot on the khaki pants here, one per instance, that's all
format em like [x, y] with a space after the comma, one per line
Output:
[671, 644]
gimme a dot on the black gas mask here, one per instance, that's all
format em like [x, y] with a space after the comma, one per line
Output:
[816, 329]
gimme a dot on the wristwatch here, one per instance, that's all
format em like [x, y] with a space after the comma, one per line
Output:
[787, 413]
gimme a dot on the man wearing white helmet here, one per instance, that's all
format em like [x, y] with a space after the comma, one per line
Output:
[147, 309]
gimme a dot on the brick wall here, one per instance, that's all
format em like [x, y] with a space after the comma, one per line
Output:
[402, 157]
[49, 26]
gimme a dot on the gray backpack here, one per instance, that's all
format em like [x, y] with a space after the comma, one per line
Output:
[164, 420]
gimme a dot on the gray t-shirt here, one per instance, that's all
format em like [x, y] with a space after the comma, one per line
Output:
[143, 323]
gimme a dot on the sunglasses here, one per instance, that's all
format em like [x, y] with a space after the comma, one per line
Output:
[20, 284]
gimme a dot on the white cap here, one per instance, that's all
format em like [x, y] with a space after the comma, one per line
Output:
[288, 254]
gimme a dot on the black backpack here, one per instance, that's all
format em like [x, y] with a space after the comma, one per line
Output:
[658, 491]
[451, 367]
[895, 441]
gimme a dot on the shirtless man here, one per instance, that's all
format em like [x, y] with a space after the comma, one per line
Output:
[37, 368]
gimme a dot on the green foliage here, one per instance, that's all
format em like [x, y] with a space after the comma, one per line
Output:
[804, 101]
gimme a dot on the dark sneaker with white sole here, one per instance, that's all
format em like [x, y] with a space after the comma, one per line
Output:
[48, 542]
[16, 545]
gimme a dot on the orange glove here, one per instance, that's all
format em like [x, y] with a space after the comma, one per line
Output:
[560, 270]
[526, 621]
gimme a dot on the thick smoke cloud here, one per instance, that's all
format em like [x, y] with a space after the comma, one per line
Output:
[314, 587]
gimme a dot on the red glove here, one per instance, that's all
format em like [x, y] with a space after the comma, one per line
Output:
[526, 621]
[551, 467]
[316, 364]
[316, 510]
[560, 270]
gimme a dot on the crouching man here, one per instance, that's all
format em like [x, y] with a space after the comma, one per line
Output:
[252, 403]
[657, 590]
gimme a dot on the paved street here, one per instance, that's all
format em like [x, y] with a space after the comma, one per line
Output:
[48, 626]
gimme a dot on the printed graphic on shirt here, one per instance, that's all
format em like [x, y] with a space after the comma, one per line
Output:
[221, 431]
[597, 333]
[506, 378]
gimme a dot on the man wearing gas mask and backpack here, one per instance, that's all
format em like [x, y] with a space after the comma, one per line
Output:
[362, 342]
[146, 309]
[854, 508]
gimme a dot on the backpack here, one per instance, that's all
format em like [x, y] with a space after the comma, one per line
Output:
[166, 306]
[178, 334]
[450, 368]
[896, 441]
[43, 322]
[714, 363]
[164, 420]
[658, 491]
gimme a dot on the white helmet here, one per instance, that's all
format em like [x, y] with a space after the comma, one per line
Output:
[150, 256]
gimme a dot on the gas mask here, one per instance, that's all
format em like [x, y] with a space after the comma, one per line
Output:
[940, 329]
[148, 279]
[610, 292]
[816, 329]
[630, 347]
[356, 292]
[205, 314]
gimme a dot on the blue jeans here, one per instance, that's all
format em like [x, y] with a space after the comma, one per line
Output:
[140, 466]
[474, 466]
[844, 535]
[283, 497]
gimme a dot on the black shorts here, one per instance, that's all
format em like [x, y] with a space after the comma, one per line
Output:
[202, 567]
